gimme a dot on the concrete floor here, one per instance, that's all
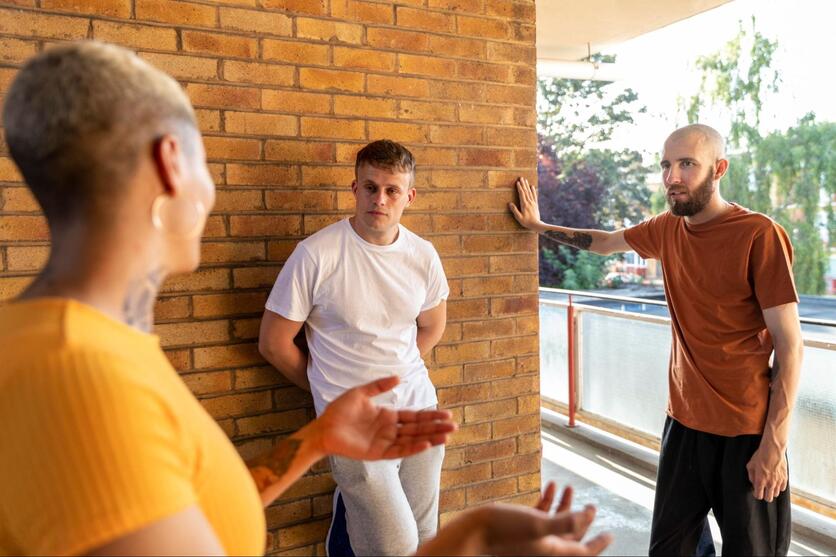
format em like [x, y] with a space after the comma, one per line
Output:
[622, 490]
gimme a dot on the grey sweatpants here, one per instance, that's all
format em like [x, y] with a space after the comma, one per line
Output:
[390, 505]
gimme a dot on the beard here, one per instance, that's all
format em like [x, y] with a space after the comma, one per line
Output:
[696, 201]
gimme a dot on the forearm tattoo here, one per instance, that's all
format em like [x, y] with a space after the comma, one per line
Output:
[580, 240]
[277, 461]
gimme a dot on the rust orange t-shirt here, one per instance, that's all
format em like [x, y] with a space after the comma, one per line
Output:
[719, 277]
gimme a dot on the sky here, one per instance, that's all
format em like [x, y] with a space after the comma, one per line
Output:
[661, 68]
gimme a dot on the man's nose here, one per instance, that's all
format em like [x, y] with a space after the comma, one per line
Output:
[379, 198]
[671, 176]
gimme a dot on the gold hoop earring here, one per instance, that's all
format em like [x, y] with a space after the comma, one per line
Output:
[178, 217]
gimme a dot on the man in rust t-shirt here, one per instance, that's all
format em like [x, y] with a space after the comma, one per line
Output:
[732, 300]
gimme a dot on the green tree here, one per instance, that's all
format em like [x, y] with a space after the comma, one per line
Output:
[784, 174]
[581, 184]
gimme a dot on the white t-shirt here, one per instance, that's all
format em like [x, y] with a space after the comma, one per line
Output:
[359, 302]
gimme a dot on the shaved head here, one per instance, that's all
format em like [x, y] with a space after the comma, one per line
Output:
[706, 137]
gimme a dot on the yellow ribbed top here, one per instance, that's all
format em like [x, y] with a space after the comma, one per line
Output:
[100, 437]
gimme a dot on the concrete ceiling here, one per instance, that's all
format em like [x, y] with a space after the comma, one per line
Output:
[564, 27]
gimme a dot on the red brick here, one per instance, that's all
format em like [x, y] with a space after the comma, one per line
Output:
[16, 50]
[362, 106]
[518, 425]
[490, 451]
[483, 71]
[253, 377]
[264, 225]
[208, 383]
[288, 513]
[183, 67]
[246, 329]
[251, 72]
[462, 352]
[30, 24]
[237, 199]
[329, 30]
[296, 102]
[304, 533]
[466, 475]
[232, 252]
[254, 123]
[456, 135]
[202, 279]
[333, 128]
[216, 305]
[473, 49]
[301, 151]
[223, 96]
[491, 490]
[334, 80]
[398, 86]
[510, 10]
[484, 157]
[463, 309]
[232, 355]
[172, 307]
[181, 360]
[458, 91]
[111, 8]
[173, 11]
[208, 120]
[236, 405]
[262, 174]
[436, 22]
[26, 258]
[295, 52]
[483, 27]
[358, 10]
[232, 148]
[360, 58]
[464, 6]
[425, 65]
[404, 132]
[432, 111]
[256, 21]
[222, 45]
[13, 228]
[279, 422]
[315, 223]
[327, 175]
[254, 277]
[314, 7]
[396, 39]
[135, 36]
[490, 410]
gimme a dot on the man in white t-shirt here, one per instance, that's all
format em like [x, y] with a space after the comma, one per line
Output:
[372, 297]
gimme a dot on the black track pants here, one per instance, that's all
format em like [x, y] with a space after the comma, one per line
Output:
[699, 472]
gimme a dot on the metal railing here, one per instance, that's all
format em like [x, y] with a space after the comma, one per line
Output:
[613, 362]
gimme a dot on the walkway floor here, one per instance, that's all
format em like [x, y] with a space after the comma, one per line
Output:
[622, 492]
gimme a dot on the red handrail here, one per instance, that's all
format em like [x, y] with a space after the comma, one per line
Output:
[570, 338]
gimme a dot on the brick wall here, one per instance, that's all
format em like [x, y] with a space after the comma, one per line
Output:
[286, 92]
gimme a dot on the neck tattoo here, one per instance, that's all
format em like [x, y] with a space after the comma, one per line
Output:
[138, 306]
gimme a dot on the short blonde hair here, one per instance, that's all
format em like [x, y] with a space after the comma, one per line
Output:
[79, 116]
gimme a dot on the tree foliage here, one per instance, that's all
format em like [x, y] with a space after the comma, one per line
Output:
[784, 174]
[580, 184]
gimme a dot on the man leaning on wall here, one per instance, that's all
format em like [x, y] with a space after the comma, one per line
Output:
[371, 296]
[732, 299]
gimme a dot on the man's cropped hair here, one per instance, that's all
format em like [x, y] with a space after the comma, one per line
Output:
[386, 154]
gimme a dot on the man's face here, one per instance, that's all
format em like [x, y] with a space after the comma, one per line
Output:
[381, 195]
[688, 173]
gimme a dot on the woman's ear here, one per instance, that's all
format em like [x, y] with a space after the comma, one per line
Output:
[168, 163]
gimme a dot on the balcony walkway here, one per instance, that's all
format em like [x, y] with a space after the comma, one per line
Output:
[622, 490]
